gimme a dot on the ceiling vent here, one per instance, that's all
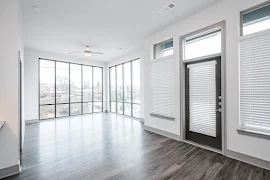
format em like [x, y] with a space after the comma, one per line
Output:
[166, 9]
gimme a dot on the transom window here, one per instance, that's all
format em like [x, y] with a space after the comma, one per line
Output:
[255, 19]
[163, 49]
[202, 44]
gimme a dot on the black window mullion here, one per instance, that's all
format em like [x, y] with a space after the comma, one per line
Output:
[102, 90]
[116, 99]
[123, 89]
[92, 89]
[55, 89]
[69, 86]
[81, 89]
[131, 97]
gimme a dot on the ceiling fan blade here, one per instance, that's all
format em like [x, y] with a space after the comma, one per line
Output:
[97, 53]
[76, 51]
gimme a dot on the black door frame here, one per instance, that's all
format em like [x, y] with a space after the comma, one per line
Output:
[213, 142]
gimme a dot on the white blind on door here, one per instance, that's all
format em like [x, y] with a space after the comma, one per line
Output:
[255, 82]
[202, 98]
[162, 87]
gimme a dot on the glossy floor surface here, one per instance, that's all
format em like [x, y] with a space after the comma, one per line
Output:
[108, 146]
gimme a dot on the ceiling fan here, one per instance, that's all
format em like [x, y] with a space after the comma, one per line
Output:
[87, 52]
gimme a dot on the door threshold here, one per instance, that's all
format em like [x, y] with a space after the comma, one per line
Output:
[203, 146]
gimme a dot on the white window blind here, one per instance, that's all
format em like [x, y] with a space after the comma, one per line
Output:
[202, 98]
[255, 82]
[162, 87]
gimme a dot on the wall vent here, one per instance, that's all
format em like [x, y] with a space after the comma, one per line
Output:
[166, 9]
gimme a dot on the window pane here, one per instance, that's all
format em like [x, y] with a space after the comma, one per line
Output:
[75, 83]
[257, 20]
[75, 109]
[127, 82]
[97, 84]
[112, 83]
[87, 108]
[203, 45]
[163, 49]
[87, 83]
[127, 109]
[62, 82]
[62, 110]
[47, 112]
[47, 82]
[136, 110]
[120, 108]
[113, 107]
[136, 81]
[119, 82]
[97, 106]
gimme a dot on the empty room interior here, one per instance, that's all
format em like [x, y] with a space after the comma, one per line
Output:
[135, 90]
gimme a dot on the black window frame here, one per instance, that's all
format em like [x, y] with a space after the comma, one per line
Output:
[69, 103]
[123, 89]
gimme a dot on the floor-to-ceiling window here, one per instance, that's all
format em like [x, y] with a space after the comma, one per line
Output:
[125, 88]
[69, 89]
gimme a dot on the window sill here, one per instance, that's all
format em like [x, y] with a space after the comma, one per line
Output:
[253, 134]
[162, 117]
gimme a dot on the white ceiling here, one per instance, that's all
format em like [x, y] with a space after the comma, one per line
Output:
[105, 25]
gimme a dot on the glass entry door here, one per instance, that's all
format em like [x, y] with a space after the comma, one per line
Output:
[203, 102]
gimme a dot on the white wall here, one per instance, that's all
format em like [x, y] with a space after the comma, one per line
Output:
[32, 81]
[128, 57]
[10, 43]
[228, 10]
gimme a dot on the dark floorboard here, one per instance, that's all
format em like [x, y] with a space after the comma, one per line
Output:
[104, 146]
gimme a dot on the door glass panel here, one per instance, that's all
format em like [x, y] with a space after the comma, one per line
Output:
[62, 82]
[75, 83]
[202, 98]
[47, 82]
[87, 83]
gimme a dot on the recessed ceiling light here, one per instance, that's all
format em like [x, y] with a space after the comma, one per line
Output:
[36, 9]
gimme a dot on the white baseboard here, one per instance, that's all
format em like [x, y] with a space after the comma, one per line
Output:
[248, 159]
[31, 121]
[163, 133]
[9, 171]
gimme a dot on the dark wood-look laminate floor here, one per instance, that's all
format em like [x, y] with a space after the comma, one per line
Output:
[104, 146]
